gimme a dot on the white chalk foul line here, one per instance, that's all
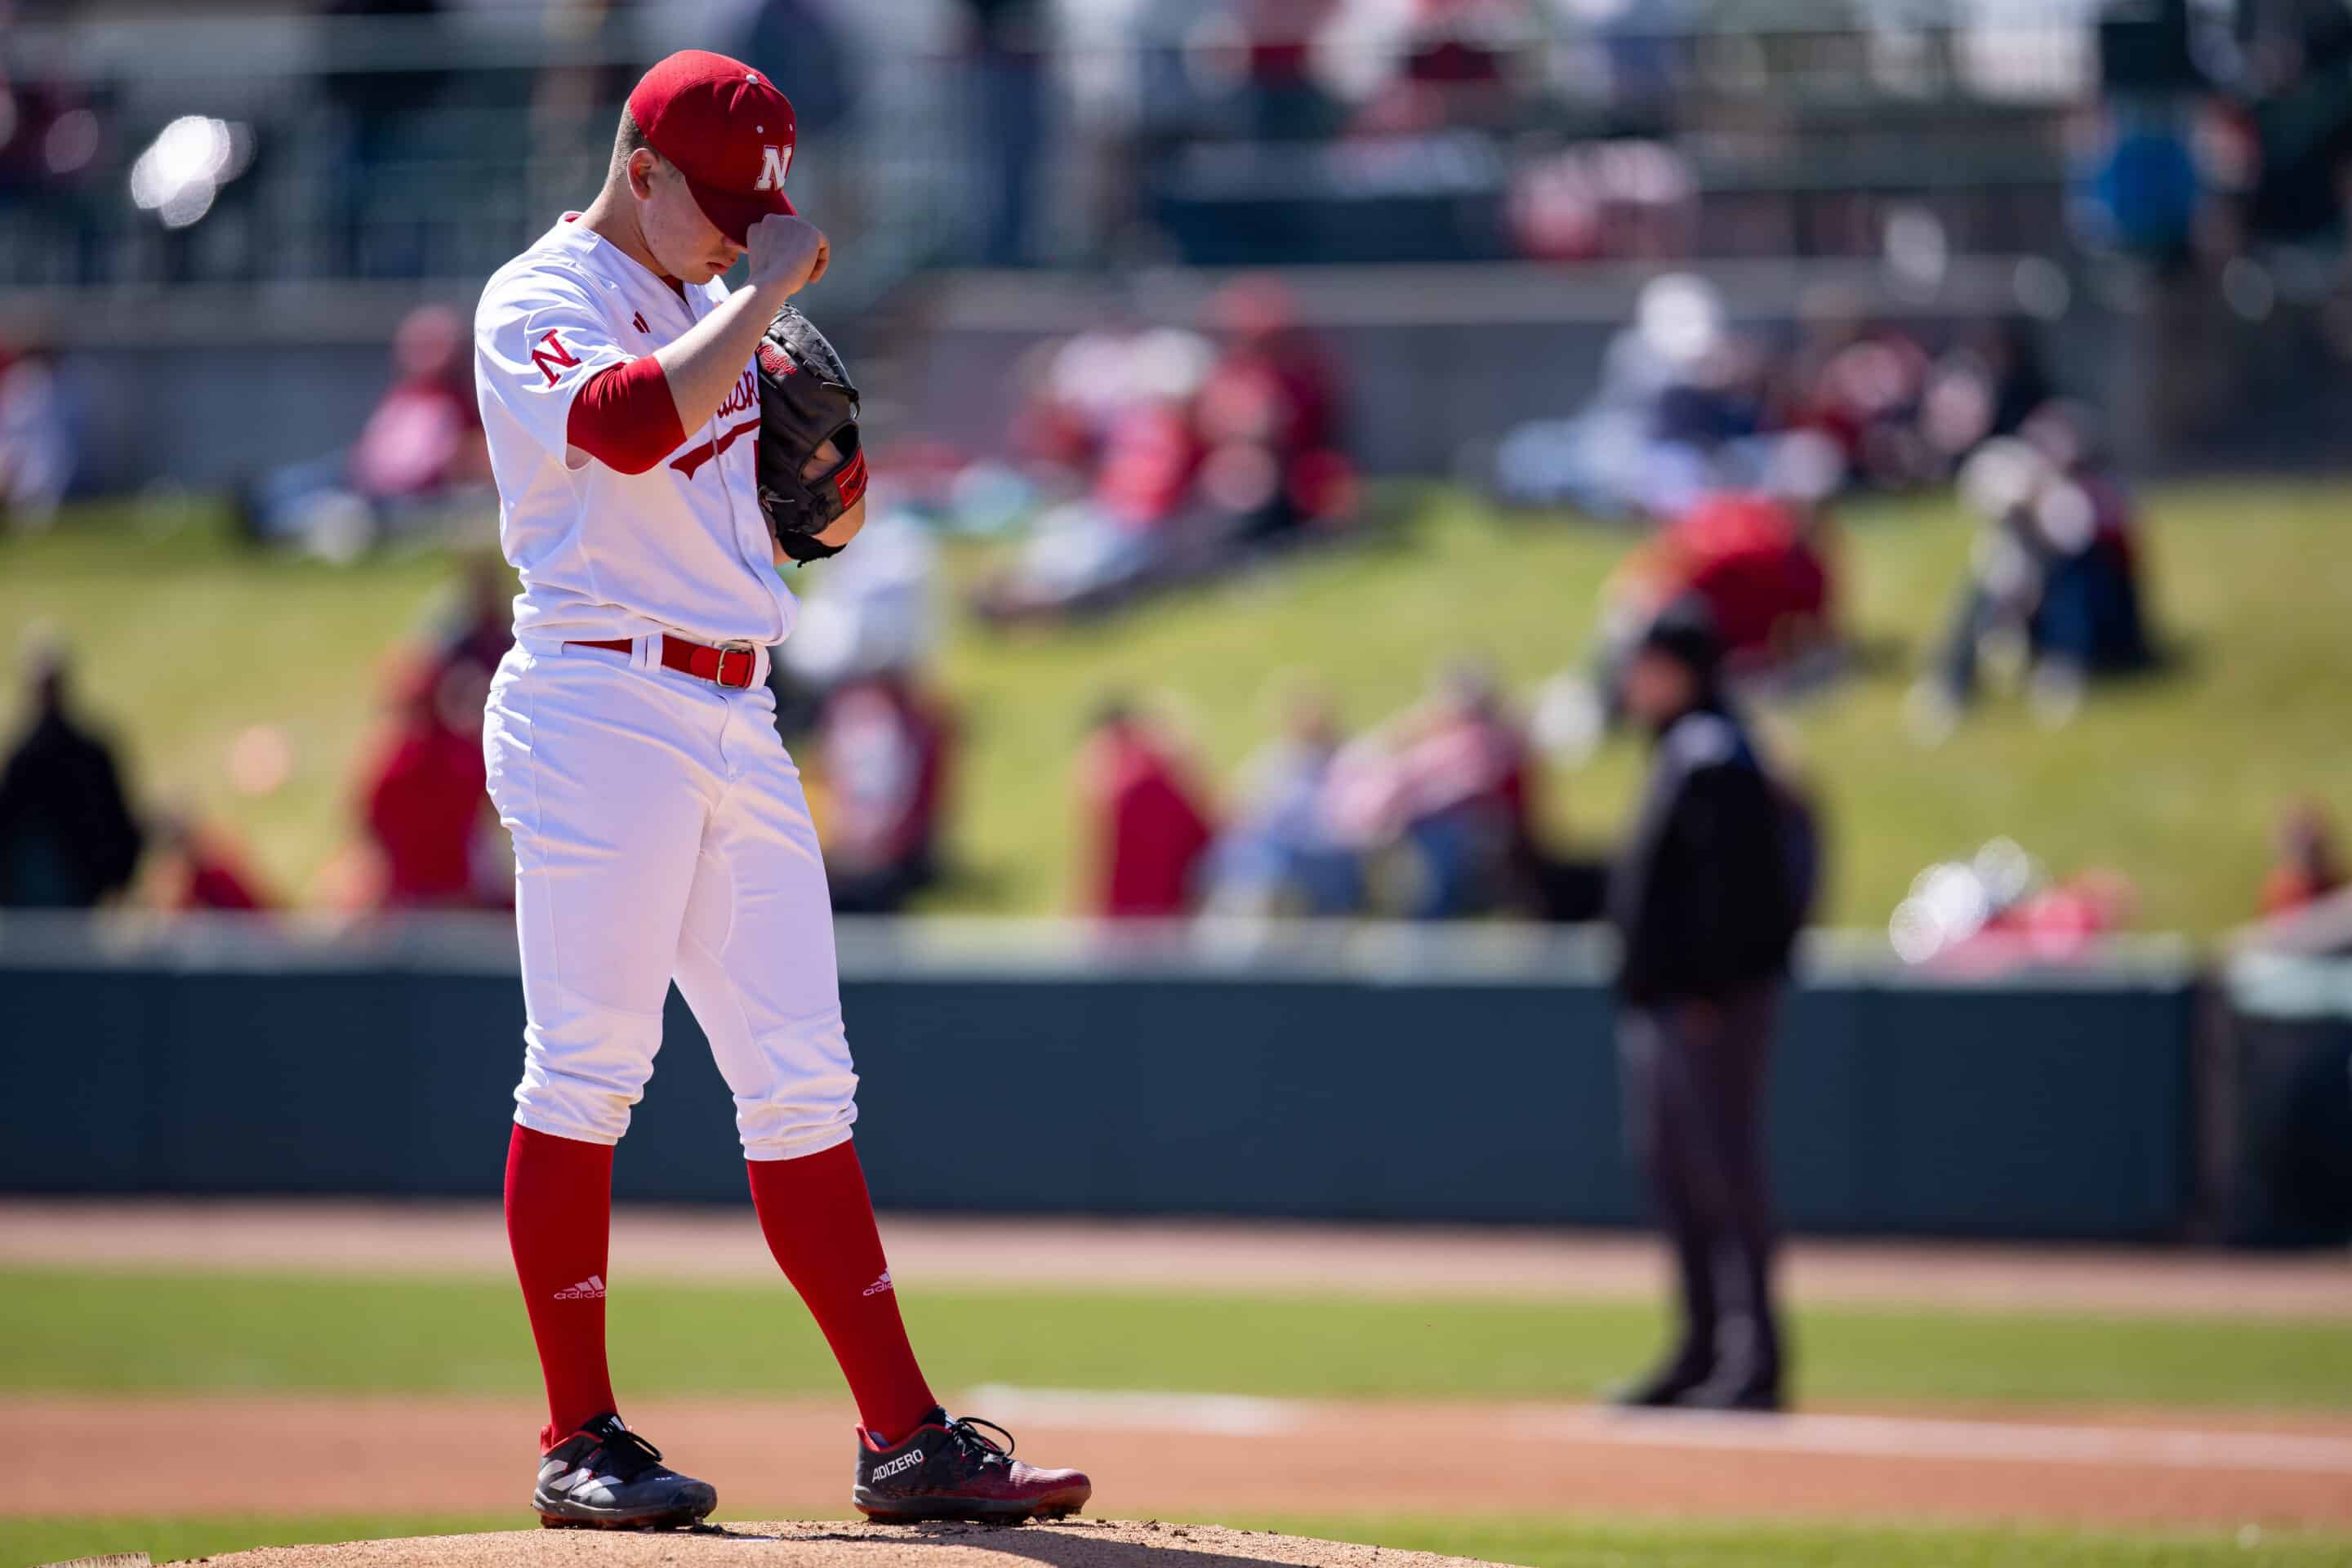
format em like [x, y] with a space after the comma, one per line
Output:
[1906, 1438]
[1861, 1436]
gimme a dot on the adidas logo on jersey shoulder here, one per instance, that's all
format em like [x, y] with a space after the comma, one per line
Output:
[589, 1289]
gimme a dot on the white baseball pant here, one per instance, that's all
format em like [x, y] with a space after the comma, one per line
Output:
[660, 832]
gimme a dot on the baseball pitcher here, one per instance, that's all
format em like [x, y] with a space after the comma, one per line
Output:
[662, 445]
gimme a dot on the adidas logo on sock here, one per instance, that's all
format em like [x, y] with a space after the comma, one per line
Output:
[589, 1289]
[879, 1285]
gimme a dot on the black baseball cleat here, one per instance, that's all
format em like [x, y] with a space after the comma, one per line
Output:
[948, 1470]
[605, 1477]
[1755, 1391]
[1670, 1386]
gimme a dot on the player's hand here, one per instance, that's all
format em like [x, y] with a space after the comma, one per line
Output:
[823, 461]
[788, 253]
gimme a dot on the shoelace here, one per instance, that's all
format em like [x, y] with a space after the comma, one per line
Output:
[963, 1431]
[627, 1454]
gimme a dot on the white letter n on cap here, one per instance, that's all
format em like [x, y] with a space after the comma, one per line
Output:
[774, 162]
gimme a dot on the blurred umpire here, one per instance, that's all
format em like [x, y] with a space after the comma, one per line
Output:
[1707, 902]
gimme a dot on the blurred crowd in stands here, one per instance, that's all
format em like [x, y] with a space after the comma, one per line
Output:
[1686, 402]
[73, 833]
[1156, 455]
[1144, 457]
[1429, 814]
[1231, 131]
[2222, 133]
[1732, 455]
[1148, 454]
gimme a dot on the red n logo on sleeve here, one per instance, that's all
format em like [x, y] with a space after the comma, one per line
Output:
[552, 356]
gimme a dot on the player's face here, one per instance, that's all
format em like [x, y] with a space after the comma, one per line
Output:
[687, 244]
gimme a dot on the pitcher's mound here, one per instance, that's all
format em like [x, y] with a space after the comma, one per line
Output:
[1071, 1544]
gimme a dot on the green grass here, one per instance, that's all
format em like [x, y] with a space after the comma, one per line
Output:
[173, 1332]
[36, 1539]
[1538, 1543]
[2174, 780]
[184, 640]
[1587, 1543]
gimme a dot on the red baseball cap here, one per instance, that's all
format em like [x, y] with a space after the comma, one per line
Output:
[728, 131]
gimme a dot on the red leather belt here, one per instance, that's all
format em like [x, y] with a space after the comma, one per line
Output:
[724, 666]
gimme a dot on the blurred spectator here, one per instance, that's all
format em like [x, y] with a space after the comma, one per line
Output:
[1269, 416]
[1113, 403]
[420, 451]
[425, 435]
[1465, 789]
[1095, 551]
[1686, 407]
[1861, 383]
[1616, 197]
[1284, 852]
[2054, 582]
[1706, 900]
[1678, 405]
[424, 798]
[2137, 189]
[1988, 386]
[1252, 68]
[1453, 59]
[883, 748]
[2001, 908]
[2309, 865]
[201, 871]
[68, 839]
[39, 446]
[1762, 562]
[2297, 100]
[1193, 457]
[1754, 561]
[2060, 921]
[1758, 562]
[1146, 827]
[1439, 803]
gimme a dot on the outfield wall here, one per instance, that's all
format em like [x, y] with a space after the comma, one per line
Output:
[1369, 1073]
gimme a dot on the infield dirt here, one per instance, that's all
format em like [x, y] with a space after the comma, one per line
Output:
[457, 1455]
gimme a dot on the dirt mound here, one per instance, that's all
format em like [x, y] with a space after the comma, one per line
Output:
[1073, 1543]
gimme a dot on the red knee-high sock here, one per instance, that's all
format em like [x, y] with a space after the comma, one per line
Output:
[819, 1221]
[560, 1224]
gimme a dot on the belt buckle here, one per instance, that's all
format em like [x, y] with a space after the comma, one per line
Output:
[750, 657]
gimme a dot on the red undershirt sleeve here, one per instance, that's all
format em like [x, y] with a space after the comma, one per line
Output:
[624, 416]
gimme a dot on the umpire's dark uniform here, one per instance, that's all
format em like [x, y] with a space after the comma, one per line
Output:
[1706, 900]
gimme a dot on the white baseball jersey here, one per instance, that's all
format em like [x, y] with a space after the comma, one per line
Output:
[660, 830]
[682, 547]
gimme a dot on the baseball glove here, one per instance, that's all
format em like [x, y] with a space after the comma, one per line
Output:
[805, 400]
